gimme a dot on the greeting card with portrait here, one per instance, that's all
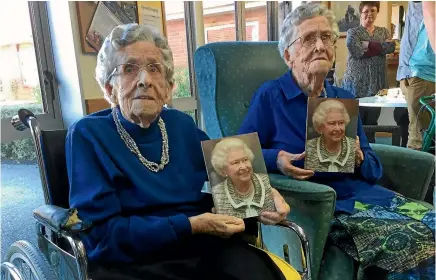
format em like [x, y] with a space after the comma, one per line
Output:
[331, 130]
[237, 174]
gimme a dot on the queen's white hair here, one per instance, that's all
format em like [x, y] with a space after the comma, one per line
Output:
[122, 36]
[289, 31]
[221, 150]
[325, 107]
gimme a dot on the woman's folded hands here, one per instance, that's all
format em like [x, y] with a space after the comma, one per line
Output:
[225, 226]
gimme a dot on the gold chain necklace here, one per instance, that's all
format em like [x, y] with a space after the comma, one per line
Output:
[130, 143]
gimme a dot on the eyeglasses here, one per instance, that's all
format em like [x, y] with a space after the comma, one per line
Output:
[131, 70]
[373, 12]
[309, 40]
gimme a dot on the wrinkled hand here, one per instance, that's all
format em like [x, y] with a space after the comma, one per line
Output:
[282, 210]
[284, 164]
[216, 224]
[365, 45]
[359, 154]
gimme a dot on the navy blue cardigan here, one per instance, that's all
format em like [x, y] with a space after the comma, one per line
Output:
[278, 113]
[135, 211]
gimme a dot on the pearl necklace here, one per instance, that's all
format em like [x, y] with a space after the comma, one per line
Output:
[246, 194]
[130, 143]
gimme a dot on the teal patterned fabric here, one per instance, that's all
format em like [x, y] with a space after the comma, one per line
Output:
[398, 238]
[227, 76]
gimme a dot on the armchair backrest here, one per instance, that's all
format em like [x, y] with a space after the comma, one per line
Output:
[228, 73]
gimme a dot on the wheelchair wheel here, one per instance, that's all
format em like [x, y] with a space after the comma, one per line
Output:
[29, 261]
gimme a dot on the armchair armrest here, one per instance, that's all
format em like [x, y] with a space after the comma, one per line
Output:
[405, 171]
[58, 219]
[312, 208]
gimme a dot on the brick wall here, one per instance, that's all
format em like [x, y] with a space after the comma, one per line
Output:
[177, 33]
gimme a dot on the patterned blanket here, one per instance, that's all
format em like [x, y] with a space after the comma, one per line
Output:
[399, 238]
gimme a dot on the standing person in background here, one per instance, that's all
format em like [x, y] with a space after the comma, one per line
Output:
[416, 71]
[367, 47]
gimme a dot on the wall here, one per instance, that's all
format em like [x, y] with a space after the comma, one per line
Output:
[177, 40]
[86, 62]
[176, 31]
[64, 44]
[91, 93]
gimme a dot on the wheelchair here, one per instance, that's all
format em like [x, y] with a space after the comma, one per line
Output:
[60, 253]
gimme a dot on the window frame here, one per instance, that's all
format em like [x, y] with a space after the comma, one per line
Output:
[192, 12]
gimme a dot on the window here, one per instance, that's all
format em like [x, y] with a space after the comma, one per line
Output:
[27, 69]
[228, 32]
[176, 33]
[19, 71]
[256, 21]
[219, 21]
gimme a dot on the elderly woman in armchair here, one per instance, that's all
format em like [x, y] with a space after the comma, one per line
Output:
[136, 172]
[375, 226]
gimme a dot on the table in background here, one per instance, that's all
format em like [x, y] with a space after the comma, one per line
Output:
[384, 102]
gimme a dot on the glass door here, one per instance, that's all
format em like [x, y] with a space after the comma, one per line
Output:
[27, 74]
[26, 81]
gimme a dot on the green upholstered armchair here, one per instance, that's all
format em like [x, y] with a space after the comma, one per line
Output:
[227, 76]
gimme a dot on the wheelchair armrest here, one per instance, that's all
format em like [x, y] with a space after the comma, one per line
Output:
[306, 257]
[58, 219]
[312, 208]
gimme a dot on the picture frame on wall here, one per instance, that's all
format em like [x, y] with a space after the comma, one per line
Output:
[347, 15]
[152, 13]
[113, 11]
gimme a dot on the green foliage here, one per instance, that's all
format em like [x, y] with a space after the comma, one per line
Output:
[181, 77]
[19, 149]
[15, 87]
[8, 111]
[36, 92]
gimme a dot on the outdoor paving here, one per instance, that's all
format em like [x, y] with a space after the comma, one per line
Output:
[20, 193]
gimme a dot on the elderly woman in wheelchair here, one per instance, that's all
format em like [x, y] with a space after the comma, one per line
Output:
[135, 176]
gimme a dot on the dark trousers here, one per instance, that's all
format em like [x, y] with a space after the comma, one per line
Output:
[401, 117]
[369, 116]
[196, 258]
